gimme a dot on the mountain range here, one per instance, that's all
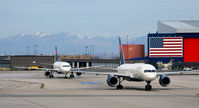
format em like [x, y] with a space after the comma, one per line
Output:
[67, 43]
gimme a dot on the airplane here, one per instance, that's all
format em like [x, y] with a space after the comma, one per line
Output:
[136, 72]
[59, 67]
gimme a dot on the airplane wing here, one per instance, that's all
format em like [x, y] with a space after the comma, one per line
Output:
[128, 75]
[103, 73]
[44, 69]
[175, 72]
[93, 67]
[106, 68]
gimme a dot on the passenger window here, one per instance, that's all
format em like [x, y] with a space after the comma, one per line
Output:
[149, 70]
[65, 66]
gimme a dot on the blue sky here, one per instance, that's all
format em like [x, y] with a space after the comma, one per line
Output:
[92, 17]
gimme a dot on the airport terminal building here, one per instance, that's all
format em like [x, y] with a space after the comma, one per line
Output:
[175, 41]
[44, 61]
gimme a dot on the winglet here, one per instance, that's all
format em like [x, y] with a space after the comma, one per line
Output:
[122, 60]
[56, 56]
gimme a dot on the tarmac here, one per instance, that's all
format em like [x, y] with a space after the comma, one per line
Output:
[30, 89]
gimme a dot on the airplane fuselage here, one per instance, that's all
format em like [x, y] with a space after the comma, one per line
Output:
[140, 71]
[62, 66]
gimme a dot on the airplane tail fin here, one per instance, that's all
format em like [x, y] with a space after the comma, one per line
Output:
[122, 60]
[56, 56]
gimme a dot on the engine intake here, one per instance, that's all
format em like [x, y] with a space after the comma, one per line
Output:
[78, 73]
[112, 80]
[164, 81]
[47, 73]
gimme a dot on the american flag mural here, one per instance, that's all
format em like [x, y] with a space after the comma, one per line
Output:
[165, 47]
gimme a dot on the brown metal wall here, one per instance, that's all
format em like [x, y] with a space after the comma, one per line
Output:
[31, 61]
[133, 51]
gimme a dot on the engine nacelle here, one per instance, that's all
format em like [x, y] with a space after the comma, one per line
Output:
[78, 73]
[112, 80]
[164, 81]
[47, 73]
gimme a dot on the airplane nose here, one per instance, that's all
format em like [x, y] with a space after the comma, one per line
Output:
[151, 76]
[69, 69]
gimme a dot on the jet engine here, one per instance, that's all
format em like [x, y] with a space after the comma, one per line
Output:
[78, 73]
[47, 73]
[164, 81]
[112, 80]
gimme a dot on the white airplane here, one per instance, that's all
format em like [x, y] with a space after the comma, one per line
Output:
[136, 72]
[59, 67]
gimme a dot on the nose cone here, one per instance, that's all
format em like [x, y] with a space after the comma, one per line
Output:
[66, 69]
[150, 76]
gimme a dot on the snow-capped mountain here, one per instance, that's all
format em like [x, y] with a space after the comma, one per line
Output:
[67, 43]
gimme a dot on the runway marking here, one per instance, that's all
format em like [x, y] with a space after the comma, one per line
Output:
[91, 82]
[35, 103]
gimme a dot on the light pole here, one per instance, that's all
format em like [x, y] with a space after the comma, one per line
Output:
[86, 47]
[27, 50]
[36, 49]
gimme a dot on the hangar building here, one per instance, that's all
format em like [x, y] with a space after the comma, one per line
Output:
[177, 41]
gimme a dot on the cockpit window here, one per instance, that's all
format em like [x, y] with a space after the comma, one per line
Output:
[66, 66]
[149, 70]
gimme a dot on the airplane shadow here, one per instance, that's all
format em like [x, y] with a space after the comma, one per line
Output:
[141, 89]
[60, 77]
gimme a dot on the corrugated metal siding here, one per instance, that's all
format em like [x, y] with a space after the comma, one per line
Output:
[133, 51]
[181, 26]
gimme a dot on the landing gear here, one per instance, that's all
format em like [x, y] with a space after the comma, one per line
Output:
[148, 87]
[65, 74]
[72, 76]
[51, 76]
[120, 86]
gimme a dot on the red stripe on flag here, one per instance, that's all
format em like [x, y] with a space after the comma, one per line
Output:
[172, 46]
[172, 43]
[165, 52]
[172, 38]
[165, 55]
[165, 49]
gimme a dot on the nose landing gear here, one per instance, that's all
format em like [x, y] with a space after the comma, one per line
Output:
[148, 87]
